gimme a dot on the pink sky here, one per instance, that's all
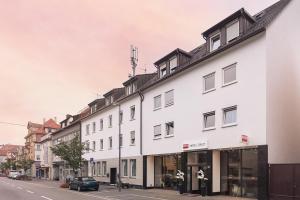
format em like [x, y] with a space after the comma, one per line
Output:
[55, 56]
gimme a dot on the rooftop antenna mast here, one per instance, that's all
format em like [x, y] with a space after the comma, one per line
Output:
[133, 59]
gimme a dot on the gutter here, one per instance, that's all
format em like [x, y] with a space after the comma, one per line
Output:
[141, 121]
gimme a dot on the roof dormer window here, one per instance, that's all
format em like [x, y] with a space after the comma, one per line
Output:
[173, 64]
[109, 100]
[232, 31]
[215, 42]
[163, 70]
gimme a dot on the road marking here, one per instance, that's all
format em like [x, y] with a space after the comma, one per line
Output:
[88, 195]
[20, 188]
[46, 198]
[147, 197]
[29, 191]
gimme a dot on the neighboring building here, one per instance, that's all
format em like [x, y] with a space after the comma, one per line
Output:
[9, 151]
[46, 155]
[100, 132]
[33, 143]
[226, 107]
[70, 127]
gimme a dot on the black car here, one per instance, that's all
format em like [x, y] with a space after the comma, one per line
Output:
[84, 183]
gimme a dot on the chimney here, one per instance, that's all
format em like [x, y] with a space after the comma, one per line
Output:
[55, 119]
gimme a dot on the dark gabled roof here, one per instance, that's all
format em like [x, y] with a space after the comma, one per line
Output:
[240, 12]
[171, 54]
[115, 92]
[140, 79]
[98, 102]
[200, 53]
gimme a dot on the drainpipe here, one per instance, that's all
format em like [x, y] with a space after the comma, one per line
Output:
[141, 121]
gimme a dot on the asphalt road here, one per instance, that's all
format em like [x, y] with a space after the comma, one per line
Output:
[47, 190]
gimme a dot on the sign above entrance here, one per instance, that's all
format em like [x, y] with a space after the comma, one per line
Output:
[193, 145]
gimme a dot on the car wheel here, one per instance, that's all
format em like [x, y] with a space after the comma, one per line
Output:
[79, 189]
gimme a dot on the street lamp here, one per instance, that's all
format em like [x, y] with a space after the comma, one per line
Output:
[119, 176]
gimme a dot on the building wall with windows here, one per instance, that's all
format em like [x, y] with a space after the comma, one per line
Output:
[191, 102]
[130, 131]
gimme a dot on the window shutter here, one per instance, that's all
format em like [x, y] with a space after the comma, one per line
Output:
[233, 31]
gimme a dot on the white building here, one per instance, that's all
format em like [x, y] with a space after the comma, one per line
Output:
[226, 107]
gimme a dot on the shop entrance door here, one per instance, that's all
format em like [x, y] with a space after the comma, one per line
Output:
[113, 175]
[193, 183]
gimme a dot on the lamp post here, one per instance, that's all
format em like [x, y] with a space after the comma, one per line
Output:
[119, 176]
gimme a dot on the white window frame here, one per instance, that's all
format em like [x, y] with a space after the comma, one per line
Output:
[163, 67]
[205, 118]
[223, 74]
[132, 133]
[224, 116]
[154, 98]
[99, 172]
[157, 136]
[121, 140]
[167, 129]
[204, 82]
[229, 25]
[110, 142]
[123, 168]
[94, 145]
[169, 103]
[87, 129]
[131, 167]
[101, 144]
[121, 116]
[94, 127]
[104, 168]
[173, 68]
[110, 121]
[132, 112]
[101, 125]
[211, 41]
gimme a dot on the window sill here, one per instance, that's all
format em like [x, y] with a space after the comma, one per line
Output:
[132, 145]
[132, 119]
[230, 83]
[209, 129]
[101, 130]
[157, 138]
[155, 109]
[101, 150]
[132, 177]
[109, 148]
[169, 136]
[208, 91]
[229, 125]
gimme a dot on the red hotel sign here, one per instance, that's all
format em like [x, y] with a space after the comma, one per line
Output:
[191, 145]
[244, 139]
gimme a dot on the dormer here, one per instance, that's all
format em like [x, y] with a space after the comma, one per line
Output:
[136, 82]
[227, 30]
[113, 95]
[96, 104]
[171, 62]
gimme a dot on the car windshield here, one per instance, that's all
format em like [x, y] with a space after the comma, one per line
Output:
[88, 179]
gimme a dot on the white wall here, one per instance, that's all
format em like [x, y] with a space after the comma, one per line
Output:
[283, 86]
[249, 94]
[127, 126]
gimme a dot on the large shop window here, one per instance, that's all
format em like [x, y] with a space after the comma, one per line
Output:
[239, 173]
[165, 169]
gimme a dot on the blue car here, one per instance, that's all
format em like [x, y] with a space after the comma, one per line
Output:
[84, 183]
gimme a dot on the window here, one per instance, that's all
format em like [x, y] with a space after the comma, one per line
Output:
[38, 147]
[38, 157]
[132, 137]
[157, 102]
[209, 120]
[229, 115]
[87, 129]
[110, 142]
[215, 42]
[98, 168]
[232, 31]
[169, 128]
[101, 124]
[121, 117]
[110, 121]
[94, 108]
[124, 168]
[132, 112]
[104, 168]
[157, 131]
[94, 169]
[133, 167]
[229, 74]
[169, 98]
[173, 64]
[209, 82]
[101, 144]
[163, 70]
[134, 87]
[94, 127]
[128, 90]
[121, 140]
[87, 146]
[94, 145]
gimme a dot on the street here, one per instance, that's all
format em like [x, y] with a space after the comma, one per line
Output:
[45, 190]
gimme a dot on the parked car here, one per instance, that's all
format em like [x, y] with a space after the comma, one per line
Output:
[23, 177]
[13, 174]
[84, 183]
